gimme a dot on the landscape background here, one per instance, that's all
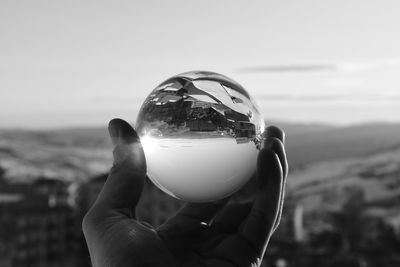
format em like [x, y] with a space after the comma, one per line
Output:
[333, 171]
[327, 72]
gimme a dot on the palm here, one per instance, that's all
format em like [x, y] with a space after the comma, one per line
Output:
[186, 240]
[209, 235]
[210, 250]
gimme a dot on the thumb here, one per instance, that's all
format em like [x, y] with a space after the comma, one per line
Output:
[124, 184]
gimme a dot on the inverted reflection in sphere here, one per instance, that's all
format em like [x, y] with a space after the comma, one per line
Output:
[201, 132]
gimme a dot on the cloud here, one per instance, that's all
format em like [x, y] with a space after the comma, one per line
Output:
[288, 68]
[331, 67]
[329, 98]
[371, 65]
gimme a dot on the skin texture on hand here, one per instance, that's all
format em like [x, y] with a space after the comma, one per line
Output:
[205, 234]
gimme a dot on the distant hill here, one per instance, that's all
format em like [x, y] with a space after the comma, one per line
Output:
[67, 154]
[75, 153]
[340, 142]
[301, 128]
[374, 179]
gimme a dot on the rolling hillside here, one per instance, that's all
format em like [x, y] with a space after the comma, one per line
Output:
[325, 161]
[79, 153]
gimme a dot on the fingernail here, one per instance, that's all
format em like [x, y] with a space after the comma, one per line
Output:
[123, 131]
[113, 132]
[273, 131]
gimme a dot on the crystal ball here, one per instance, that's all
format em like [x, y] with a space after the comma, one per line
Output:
[201, 132]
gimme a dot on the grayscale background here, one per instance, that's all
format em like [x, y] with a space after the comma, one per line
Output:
[327, 72]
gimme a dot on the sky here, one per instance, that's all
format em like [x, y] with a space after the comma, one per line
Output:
[82, 63]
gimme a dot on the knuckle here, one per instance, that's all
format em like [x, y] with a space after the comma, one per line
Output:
[276, 144]
[87, 221]
[90, 220]
[276, 132]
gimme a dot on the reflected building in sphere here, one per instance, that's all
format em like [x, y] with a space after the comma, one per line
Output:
[201, 132]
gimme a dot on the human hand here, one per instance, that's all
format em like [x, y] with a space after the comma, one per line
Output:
[205, 234]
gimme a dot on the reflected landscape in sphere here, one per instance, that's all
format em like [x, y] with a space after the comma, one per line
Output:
[201, 132]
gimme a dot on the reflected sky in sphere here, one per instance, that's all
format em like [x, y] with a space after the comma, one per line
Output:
[201, 132]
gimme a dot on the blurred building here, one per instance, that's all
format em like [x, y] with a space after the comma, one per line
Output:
[37, 227]
[394, 220]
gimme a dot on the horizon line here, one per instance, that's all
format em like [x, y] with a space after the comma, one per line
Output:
[268, 122]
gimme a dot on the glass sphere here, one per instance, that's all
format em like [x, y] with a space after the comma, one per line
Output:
[201, 132]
